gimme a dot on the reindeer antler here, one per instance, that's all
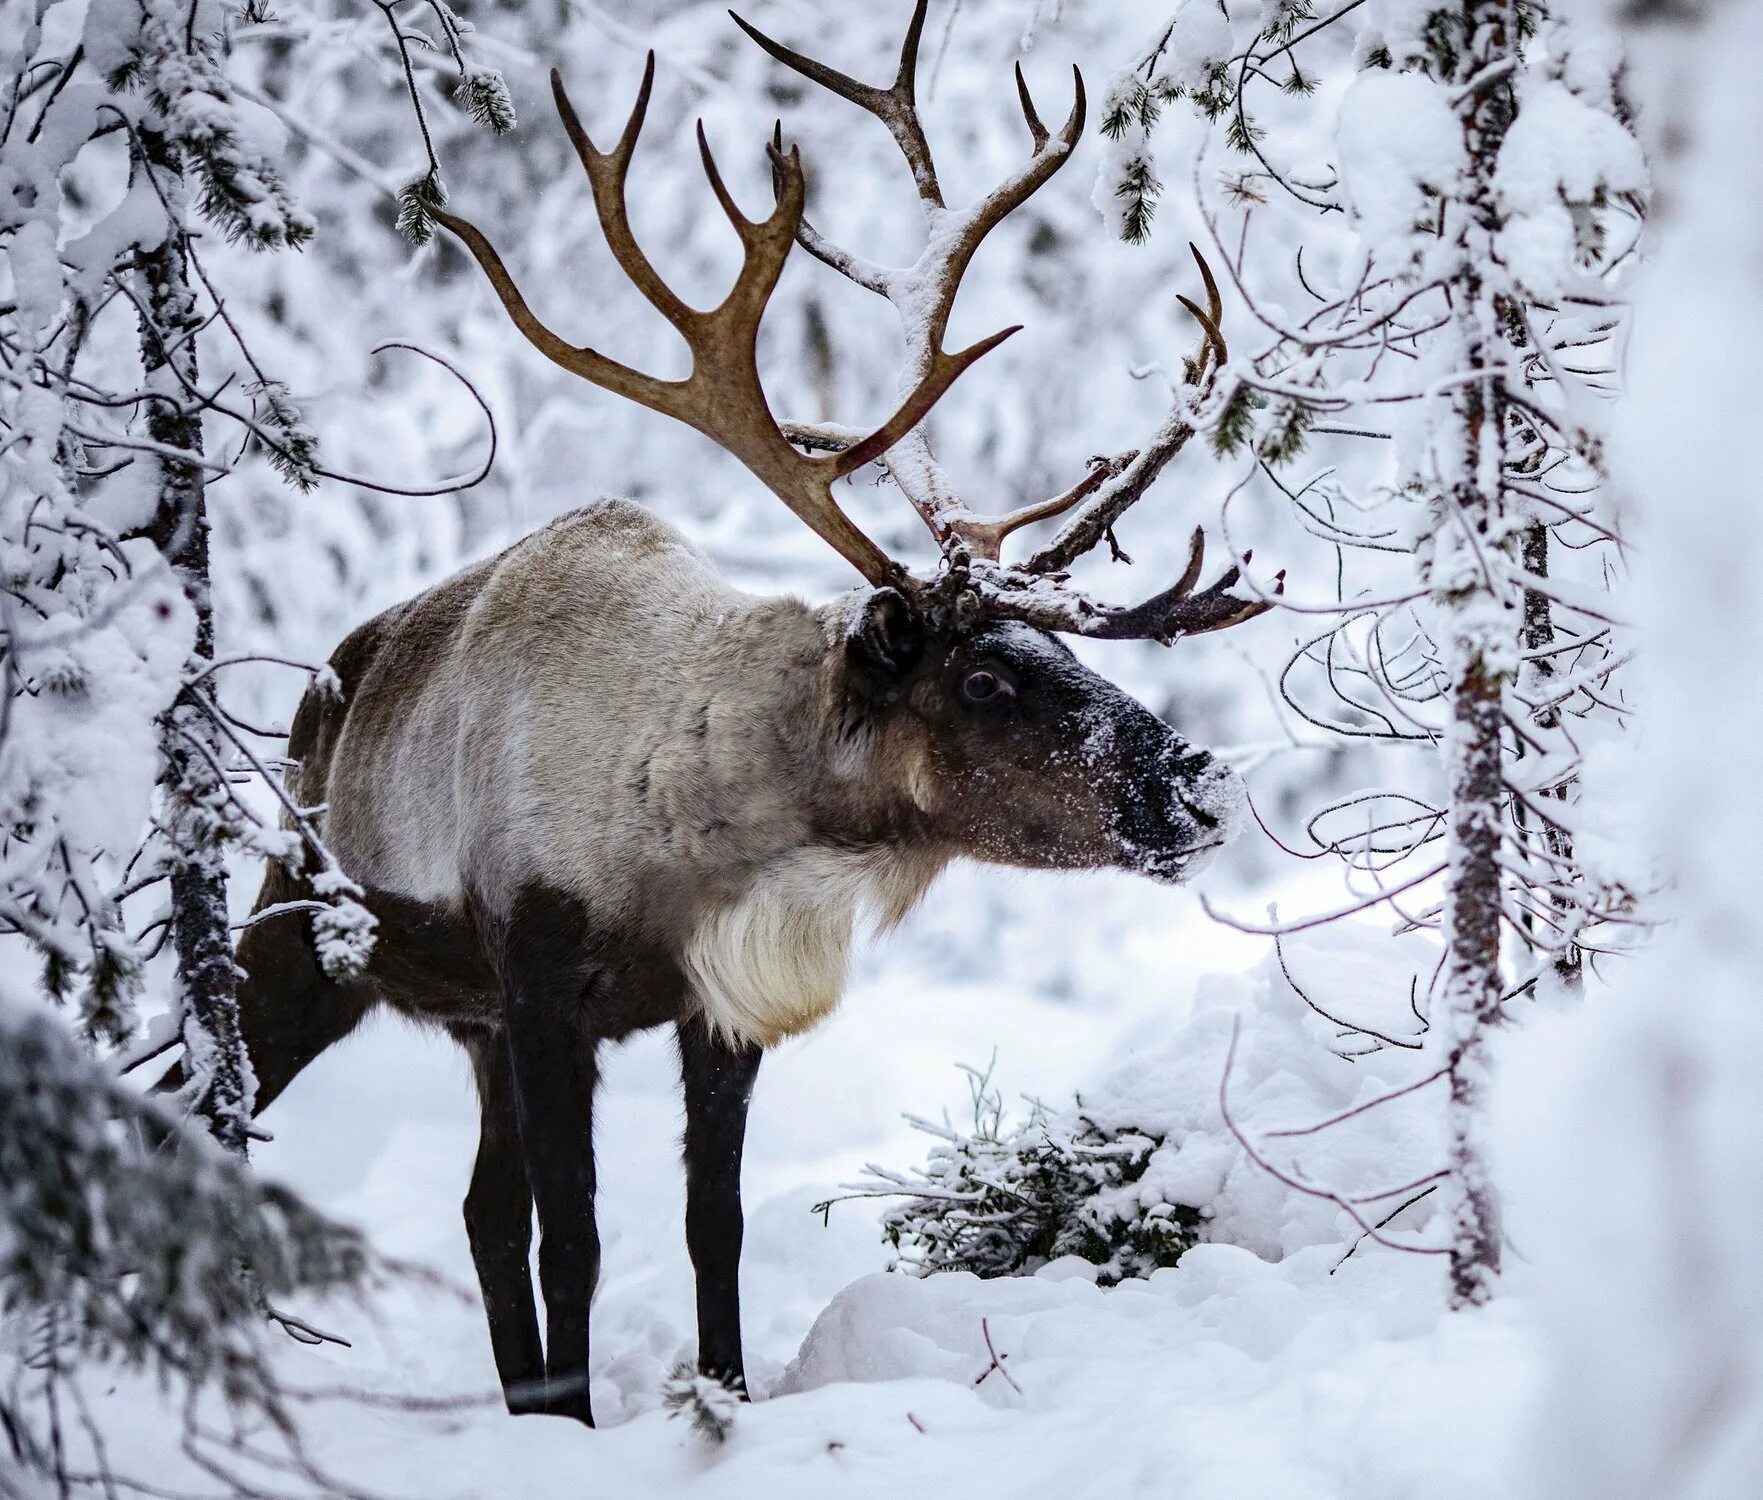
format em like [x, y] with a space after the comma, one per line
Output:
[1045, 602]
[722, 397]
[923, 295]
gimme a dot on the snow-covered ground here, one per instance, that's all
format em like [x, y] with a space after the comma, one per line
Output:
[1233, 1376]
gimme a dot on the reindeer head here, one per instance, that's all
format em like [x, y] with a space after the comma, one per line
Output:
[1006, 745]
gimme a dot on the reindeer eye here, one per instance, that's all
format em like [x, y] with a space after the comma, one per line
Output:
[983, 687]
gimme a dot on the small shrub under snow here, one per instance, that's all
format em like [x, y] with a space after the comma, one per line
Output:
[1139, 1169]
[1006, 1200]
[703, 1400]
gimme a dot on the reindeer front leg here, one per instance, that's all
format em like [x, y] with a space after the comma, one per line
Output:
[555, 1069]
[718, 1082]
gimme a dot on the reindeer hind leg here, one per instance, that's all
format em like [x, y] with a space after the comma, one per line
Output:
[499, 1225]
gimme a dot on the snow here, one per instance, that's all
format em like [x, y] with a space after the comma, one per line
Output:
[1397, 25]
[1631, 1133]
[97, 727]
[342, 931]
[1401, 145]
[1560, 156]
[1225, 1377]
[1199, 36]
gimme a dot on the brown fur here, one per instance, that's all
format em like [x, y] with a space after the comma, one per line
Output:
[719, 780]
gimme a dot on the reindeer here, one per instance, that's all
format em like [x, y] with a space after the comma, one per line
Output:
[588, 787]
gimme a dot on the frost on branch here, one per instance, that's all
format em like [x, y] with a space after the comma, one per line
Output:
[1186, 58]
[481, 92]
[292, 446]
[1129, 191]
[342, 929]
[417, 201]
[484, 96]
[134, 1253]
[195, 106]
[1562, 164]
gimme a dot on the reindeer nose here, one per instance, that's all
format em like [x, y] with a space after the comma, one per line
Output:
[1193, 761]
[1216, 797]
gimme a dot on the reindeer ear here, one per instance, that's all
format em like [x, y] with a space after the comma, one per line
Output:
[884, 644]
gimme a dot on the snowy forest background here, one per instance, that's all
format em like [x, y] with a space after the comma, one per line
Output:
[1417, 1152]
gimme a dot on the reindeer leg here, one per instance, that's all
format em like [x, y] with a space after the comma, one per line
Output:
[499, 1225]
[718, 1085]
[554, 1071]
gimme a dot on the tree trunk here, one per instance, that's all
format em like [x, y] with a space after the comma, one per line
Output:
[1541, 671]
[216, 1067]
[1473, 983]
[1483, 634]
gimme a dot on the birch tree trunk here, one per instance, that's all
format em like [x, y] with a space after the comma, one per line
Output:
[220, 1083]
[1483, 633]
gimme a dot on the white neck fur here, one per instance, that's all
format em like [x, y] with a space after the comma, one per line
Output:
[772, 963]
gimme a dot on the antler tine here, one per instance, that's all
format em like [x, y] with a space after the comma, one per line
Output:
[1037, 131]
[1190, 575]
[585, 362]
[1074, 121]
[1178, 612]
[743, 225]
[906, 75]
[1214, 302]
[944, 368]
[1212, 339]
[895, 106]
[985, 535]
[1048, 157]
[866, 274]
[606, 176]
